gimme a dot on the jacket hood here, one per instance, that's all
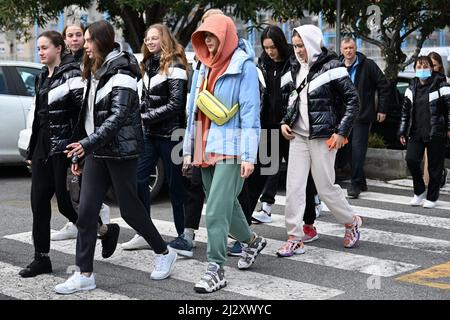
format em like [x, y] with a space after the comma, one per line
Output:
[312, 38]
[224, 29]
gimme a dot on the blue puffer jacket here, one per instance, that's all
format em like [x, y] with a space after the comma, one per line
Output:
[239, 84]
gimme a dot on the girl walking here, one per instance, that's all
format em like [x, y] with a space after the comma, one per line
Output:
[320, 87]
[225, 152]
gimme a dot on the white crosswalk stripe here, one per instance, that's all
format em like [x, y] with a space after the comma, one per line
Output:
[401, 184]
[41, 288]
[314, 255]
[260, 282]
[244, 282]
[380, 197]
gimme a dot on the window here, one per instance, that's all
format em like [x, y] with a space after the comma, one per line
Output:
[28, 76]
[3, 86]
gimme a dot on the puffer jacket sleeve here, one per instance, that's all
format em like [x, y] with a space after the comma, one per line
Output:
[188, 141]
[445, 94]
[123, 93]
[406, 113]
[76, 91]
[249, 102]
[349, 96]
[177, 91]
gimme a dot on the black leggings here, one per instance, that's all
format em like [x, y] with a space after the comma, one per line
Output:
[48, 179]
[436, 156]
[98, 176]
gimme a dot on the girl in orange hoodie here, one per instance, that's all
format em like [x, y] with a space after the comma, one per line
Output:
[225, 153]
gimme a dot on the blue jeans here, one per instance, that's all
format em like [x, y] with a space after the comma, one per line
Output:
[155, 148]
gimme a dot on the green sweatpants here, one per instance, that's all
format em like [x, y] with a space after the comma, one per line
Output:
[224, 214]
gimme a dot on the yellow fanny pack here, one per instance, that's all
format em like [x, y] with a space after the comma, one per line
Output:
[215, 110]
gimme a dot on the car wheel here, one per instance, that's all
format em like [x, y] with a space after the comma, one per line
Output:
[156, 179]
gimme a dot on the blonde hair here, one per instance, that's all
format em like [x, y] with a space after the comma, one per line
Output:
[171, 50]
[211, 12]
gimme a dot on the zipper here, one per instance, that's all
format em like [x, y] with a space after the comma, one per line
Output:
[48, 116]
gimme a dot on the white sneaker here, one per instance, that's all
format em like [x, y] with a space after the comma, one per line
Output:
[429, 204]
[318, 208]
[137, 243]
[418, 199]
[164, 264]
[69, 231]
[261, 216]
[104, 214]
[77, 282]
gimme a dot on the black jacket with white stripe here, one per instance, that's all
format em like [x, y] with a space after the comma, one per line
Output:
[64, 99]
[439, 106]
[275, 111]
[163, 98]
[333, 102]
[117, 123]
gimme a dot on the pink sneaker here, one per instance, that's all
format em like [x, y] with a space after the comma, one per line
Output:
[352, 233]
[310, 233]
[290, 248]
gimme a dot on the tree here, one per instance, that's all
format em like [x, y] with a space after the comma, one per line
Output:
[133, 16]
[385, 26]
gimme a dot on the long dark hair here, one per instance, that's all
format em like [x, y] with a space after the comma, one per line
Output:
[437, 57]
[279, 40]
[102, 35]
[56, 39]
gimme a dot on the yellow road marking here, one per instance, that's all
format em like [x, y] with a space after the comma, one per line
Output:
[425, 277]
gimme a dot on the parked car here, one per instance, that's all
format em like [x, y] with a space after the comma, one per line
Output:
[16, 97]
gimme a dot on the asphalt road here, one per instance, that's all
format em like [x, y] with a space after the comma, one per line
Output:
[398, 241]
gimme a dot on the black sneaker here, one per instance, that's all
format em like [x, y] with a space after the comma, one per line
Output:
[444, 178]
[40, 265]
[109, 240]
[353, 192]
[363, 188]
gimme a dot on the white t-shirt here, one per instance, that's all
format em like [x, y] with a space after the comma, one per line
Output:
[301, 126]
[89, 121]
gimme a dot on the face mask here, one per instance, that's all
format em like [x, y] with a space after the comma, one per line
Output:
[423, 74]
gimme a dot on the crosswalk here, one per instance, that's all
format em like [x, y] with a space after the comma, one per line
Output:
[405, 246]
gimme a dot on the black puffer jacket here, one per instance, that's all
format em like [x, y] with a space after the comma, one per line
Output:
[369, 79]
[163, 98]
[64, 99]
[283, 79]
[333, 102]
[439, 106]
[118, 130]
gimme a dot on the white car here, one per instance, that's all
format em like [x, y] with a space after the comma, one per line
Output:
[16, 96]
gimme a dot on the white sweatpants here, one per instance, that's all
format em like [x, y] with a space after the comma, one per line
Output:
[305, 154]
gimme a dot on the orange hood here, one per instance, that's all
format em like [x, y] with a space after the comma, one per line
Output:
[224, 29]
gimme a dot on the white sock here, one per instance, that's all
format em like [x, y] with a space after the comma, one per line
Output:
[189, 234]
[267, 207]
